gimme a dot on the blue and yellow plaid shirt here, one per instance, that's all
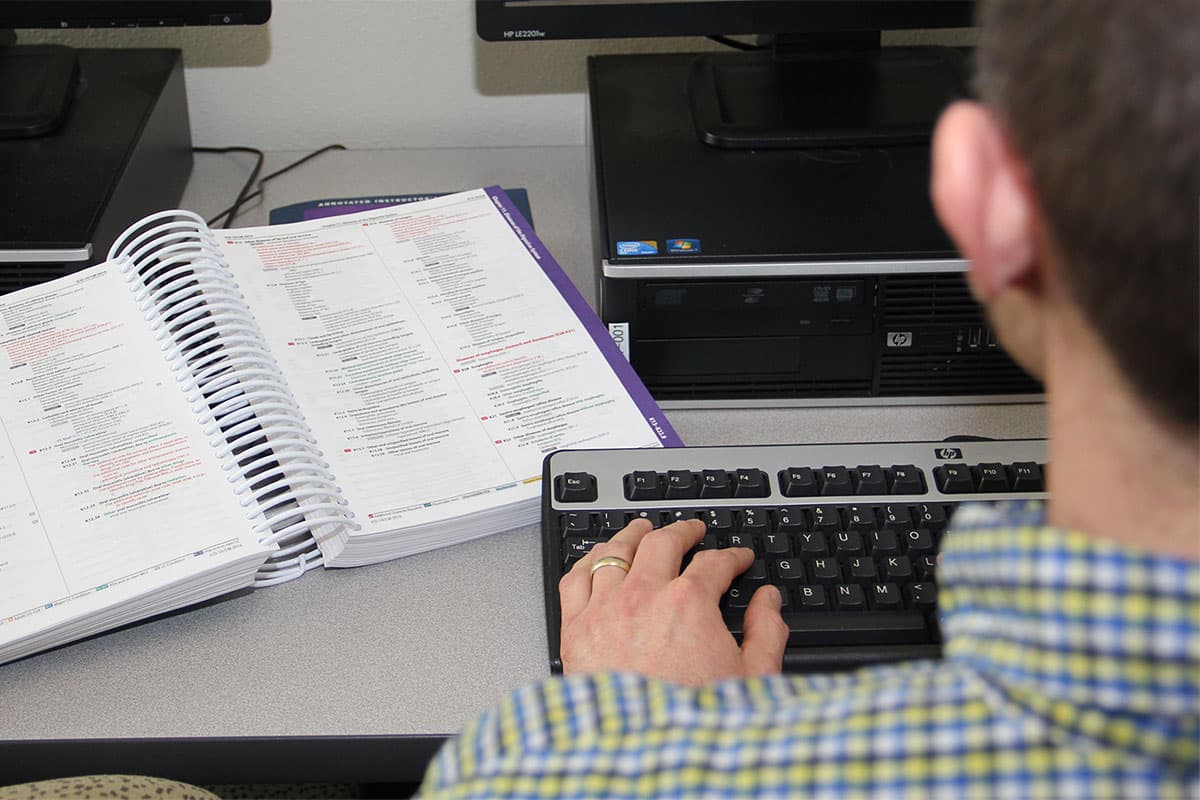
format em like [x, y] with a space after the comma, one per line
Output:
[1071, 670]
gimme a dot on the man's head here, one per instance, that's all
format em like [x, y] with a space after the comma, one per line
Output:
[1081, 168]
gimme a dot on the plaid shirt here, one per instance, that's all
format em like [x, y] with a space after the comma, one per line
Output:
[1071, 670]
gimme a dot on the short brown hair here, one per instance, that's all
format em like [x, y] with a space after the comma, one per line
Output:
[1102, 101]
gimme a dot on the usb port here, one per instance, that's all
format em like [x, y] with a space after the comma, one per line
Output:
[974, 338]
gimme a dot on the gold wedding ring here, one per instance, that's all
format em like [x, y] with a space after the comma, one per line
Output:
[611, 561]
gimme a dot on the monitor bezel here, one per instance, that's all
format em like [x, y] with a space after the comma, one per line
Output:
[504, 21]
[59, 14]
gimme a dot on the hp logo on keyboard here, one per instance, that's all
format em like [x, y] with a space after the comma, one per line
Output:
[948, 454]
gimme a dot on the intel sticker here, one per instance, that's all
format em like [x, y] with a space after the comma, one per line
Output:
[683, 246]
[647, 247]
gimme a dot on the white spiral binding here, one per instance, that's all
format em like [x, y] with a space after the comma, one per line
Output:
[179, 278]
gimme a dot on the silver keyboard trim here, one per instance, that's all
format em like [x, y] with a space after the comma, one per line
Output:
[773, 458]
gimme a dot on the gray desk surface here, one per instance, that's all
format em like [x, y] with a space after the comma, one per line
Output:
[406, 651]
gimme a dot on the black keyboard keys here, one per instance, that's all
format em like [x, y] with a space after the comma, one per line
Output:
[923, 596]
[754, 520]
[719, 521]
[791, 521]
[575, 487]
[896, 568]
[789, 572]
[826, 519]
[861, 569]
[884, 542]
[610, 522]
[850, 597]
[715, 483]
[643, 485]
[918, 541]
[869, 480]
[991, 477]
[861, 518]
[896, 517]
[810, 598]
[577, 523]
[776, 545]
[812, 544]
[931, 516]
[798, 482]
[1027, 477]
[906, 479]
[886, 596]
[835, 481]
[681, 485]
[751, 483]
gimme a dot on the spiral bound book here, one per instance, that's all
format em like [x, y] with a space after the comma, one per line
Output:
[215, 409]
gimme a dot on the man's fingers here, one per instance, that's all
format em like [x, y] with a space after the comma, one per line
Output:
[765, 635]
[713, 570]
[660, 553]
[623, 545]
[575, 588]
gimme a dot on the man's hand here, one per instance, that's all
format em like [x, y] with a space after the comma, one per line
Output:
[662, 623]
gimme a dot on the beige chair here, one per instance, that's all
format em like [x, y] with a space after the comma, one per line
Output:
[109, 787]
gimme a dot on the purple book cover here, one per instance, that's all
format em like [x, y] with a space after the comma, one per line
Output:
[591, 323]
[335, 206]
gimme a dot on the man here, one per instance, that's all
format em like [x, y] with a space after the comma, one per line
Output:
[1072, 652]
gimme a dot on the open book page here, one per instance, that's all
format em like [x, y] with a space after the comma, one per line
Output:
[432, 356]
[111, 489]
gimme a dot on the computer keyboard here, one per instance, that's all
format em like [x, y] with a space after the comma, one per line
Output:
[848, 532]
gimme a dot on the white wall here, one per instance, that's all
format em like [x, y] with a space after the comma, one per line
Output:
[377, 74]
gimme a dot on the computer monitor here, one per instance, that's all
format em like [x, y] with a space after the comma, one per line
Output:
[499, 20]
[818, 77]
[37, 83]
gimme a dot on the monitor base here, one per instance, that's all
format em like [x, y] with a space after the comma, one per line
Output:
[124, 150]
[823, 98]
[37, 84]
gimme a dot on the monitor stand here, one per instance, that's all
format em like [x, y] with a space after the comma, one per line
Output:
[122, 151]
[804, 92]
[37, 85]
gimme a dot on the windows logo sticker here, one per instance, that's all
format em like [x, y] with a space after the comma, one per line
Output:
[683, 246]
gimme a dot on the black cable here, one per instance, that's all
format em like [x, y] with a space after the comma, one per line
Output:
[734, 43]
[231, 211]
[295, 164]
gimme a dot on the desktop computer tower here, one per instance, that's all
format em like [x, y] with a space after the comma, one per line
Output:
[775, 276]
[124, 151]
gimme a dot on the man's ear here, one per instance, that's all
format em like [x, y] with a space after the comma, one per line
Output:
[982, 199]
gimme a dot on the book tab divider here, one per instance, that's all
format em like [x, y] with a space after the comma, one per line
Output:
[192, 303]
